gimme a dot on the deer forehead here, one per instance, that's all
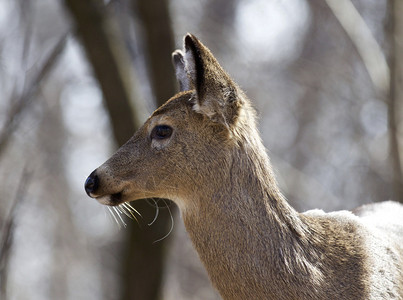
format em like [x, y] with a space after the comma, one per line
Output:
[177, 107]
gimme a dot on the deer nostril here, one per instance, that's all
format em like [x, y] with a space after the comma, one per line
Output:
[91, 184]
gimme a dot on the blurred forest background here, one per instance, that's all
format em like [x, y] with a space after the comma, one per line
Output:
[78, 77]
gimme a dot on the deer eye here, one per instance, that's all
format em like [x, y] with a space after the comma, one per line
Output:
[160, 132]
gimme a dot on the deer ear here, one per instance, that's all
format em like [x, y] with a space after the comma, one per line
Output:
[180, 72]
[216, 94]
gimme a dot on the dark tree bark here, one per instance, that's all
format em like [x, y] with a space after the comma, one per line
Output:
[110, 63]
[159, 44]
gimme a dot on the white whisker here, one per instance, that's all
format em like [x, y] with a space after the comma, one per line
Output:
[124, 210]
[172, 224]
[131, 208]
[128, 211]
[113, 215]
[157, 210]
[118, 213]
[108, 214]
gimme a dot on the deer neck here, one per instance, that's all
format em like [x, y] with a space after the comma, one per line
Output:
[254, 245]
[245, 232]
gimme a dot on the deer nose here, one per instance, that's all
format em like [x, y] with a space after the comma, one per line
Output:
[91, 184]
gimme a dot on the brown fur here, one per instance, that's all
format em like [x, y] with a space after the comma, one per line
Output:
[252, 243]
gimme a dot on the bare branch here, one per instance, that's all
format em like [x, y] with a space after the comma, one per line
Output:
[8, 230]
[24, 100]
[371, 53]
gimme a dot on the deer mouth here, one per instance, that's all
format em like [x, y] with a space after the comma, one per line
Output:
[93, 188]
[110, 200]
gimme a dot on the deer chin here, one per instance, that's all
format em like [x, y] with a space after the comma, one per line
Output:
[111, 200]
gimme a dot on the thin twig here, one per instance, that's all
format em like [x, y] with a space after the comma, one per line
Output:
[8, 230]
[25, 99]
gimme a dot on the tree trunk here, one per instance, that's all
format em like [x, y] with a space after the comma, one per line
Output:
[142, 260]
[159, 44]
[396, 93]
[110, 63]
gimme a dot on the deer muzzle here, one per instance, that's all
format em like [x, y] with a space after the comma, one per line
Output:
[93, 189]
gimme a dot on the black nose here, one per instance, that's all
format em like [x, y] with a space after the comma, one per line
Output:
[91, 184]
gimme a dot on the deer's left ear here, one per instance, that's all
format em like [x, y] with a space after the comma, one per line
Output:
[180, 71]
[217, 95]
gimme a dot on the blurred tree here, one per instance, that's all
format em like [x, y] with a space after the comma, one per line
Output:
[324, 47]
[339, 78]
[22, 102]
[143, 261]
[54, 191]
[7, 232]
[384, 78]
[218, 19]
[396, 92]
[110, 63]
[158, 45]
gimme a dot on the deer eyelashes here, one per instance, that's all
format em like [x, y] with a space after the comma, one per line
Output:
[161, 132]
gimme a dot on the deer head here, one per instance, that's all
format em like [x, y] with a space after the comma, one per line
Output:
[185, 143]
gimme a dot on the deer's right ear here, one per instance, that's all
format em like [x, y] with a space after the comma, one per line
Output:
[180, 71]
[216, 94]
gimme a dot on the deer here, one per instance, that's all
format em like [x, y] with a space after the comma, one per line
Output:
[203, 151]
